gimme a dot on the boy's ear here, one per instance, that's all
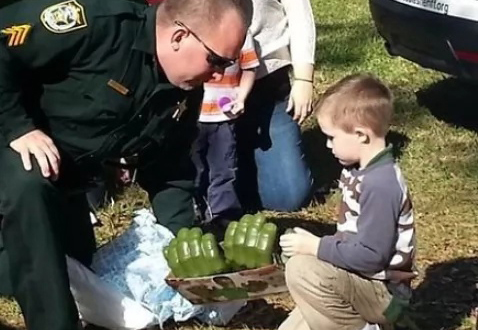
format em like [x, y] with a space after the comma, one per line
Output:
[363, 135]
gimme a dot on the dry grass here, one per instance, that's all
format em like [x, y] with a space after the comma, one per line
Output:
[435, 130]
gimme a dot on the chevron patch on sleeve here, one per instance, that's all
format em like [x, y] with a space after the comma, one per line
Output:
[17, 34]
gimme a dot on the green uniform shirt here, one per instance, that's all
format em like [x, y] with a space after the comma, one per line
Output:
[85, 72]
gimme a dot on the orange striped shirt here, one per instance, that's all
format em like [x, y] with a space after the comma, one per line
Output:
[226, 87]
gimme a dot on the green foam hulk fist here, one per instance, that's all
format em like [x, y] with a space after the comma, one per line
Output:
[192, 254]
[249, 242]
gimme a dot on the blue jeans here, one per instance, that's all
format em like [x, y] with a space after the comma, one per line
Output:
[214, 155]
[273, 172]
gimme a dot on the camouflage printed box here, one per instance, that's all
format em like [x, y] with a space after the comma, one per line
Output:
[246, 284]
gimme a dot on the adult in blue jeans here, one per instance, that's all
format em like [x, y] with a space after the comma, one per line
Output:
[273, 172]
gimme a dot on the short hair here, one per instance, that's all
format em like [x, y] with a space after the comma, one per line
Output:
[202, 13]
[358, 99]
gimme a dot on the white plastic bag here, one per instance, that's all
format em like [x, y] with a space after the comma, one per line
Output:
[134, 264]
[100, 304]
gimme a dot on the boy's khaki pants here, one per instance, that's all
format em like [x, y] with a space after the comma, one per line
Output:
[330, 298]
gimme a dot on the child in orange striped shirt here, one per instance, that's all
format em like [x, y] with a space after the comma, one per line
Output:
[214, 152]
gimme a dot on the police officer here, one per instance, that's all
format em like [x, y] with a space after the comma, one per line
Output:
[83, 82]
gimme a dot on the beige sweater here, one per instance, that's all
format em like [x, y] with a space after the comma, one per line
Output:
[284, 32]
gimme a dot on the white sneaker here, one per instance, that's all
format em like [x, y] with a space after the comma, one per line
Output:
[370, 326]
[93, 218]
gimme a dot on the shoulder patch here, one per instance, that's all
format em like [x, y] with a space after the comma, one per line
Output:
[64, 17]
[17, 34]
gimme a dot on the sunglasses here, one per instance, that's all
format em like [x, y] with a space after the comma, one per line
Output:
[216, 61]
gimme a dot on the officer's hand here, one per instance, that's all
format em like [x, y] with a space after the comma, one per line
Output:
[38, 144]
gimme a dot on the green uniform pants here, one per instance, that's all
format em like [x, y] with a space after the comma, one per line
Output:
[44, 220]
[41, 224]
[5, 284]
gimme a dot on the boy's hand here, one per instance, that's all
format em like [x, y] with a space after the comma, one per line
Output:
[299, 242]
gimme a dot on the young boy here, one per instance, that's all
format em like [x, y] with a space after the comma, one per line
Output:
[347, 281]
[214, 152]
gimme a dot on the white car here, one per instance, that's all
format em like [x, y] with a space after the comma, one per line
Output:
[437, 34]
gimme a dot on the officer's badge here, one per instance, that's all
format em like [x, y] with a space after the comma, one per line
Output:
[17, 34]
[64, 17]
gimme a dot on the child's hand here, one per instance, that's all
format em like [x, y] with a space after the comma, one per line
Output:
[299, 242]
[236, 109]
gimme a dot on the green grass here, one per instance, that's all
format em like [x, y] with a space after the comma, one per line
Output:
[435, 126]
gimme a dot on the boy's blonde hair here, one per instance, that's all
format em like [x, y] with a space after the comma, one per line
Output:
[358, 100]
